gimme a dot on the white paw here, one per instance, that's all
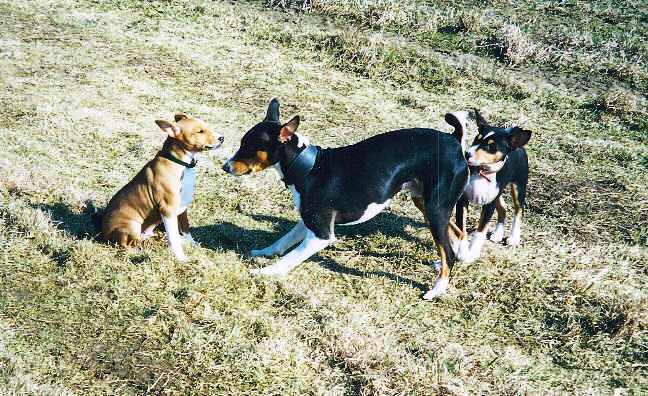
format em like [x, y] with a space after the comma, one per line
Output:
[498, 234]
[146, 235]
[438, 290]
[181, 257]
[271, 270]
[513, 240]
[462, 248]
[188, 238]
[260, 253]
[437, 265]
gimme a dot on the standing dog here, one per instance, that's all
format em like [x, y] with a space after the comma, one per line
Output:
[162, 190]
[496, 159]
[350, 185]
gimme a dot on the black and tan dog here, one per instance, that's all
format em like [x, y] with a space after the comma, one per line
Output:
[497, 160]
[350, 185]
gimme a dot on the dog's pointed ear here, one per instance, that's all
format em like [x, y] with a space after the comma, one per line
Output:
[168, 127]
[519, 137]
[180, 116]
[272, 114]
[482, 124]
[288, 129]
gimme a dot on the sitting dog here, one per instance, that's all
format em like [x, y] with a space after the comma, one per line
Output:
[496, 160]
[350, 185]
[162, 190]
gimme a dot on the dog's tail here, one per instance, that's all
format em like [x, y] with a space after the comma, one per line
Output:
[459, 120]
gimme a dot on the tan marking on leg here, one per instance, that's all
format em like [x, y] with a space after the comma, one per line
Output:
[420, 204]
[183, 222]
[500, 206]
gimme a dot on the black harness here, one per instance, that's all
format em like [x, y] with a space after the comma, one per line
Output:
[297, 170]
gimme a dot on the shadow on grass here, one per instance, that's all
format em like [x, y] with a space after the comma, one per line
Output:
[228, 236]
[78, 225]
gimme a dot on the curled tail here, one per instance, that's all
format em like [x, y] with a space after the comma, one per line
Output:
[458, 120]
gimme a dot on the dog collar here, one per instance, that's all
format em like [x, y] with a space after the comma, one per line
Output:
[301, 165]
[170, 157]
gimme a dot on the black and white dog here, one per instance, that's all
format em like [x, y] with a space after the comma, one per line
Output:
[497, 160]
[350, 185]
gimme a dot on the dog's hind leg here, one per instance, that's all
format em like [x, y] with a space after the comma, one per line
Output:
[500, 207]
[439, 220]
[292, 237]
[454, 232]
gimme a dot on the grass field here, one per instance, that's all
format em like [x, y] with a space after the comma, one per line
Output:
[82, 82]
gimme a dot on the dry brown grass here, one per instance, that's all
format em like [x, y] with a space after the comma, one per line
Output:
[82, 82]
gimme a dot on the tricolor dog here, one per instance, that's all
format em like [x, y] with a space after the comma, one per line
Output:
[350, 185]
[496, 159]
[162, 190]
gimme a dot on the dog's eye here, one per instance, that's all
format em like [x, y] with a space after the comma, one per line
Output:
[201, 131]
[492, 147]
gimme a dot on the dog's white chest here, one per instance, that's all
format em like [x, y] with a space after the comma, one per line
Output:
[480, 191]
[187, 187]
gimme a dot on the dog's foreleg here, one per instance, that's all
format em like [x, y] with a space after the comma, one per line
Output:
[173, 236]
[294, 236]
[308, 247]
[500, 206]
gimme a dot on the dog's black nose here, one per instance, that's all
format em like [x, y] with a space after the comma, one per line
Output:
[221, 139]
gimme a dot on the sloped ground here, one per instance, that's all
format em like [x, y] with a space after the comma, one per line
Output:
[81, 85]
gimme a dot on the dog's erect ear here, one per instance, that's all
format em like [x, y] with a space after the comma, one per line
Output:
[482, 124]
[288, 129]
[180, 116]
[519, 137]
[458, 121]
[169, 128]
[273, 111]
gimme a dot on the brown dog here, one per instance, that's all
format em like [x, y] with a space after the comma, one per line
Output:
[162, 190]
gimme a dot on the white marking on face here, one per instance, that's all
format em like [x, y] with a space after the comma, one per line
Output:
[472, 150]
[372, 210]
[480, 191]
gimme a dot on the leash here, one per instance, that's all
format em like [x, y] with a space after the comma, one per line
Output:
[170, 157]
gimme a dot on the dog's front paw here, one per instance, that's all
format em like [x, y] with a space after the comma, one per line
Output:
[181, 257]
[260, 253]
[513, 240]
[192, 242]
[439, 289]
[498, 234]
[271, 270]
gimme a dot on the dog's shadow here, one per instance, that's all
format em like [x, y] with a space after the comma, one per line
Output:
[77, 223]
[229, 236]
